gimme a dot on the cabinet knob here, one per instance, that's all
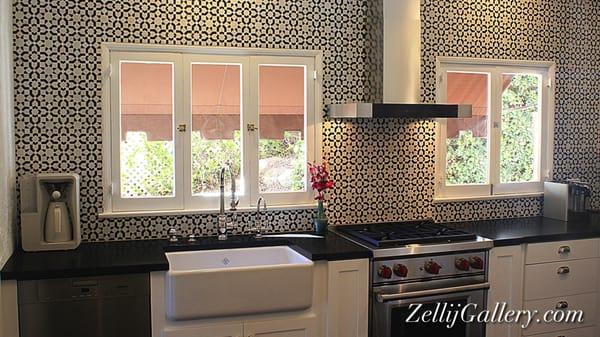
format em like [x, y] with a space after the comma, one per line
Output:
[562, 305]
[563, 270]
[564, 250]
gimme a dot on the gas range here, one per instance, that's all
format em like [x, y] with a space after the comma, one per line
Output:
[392, 239]
[421, 262]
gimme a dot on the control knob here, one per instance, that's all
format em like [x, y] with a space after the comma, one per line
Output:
[400, 270]
[476, 262]
[384, 272]
[432, 267]
[462, 264]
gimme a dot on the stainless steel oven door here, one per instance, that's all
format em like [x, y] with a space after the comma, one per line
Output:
[391, 311]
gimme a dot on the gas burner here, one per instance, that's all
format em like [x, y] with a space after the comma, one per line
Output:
[392, 234]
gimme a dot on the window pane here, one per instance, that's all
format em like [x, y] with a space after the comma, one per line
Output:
[467, 143]
[520, 111]
[216, 138]
[282, 144]
[147, 153]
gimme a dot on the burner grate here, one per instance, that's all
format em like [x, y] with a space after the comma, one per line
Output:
[405, 233]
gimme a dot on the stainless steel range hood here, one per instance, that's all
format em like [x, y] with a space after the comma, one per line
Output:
[401, 71]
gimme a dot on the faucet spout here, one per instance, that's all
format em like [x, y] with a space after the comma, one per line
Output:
[222, 219]
[259, 223]
[222, 192]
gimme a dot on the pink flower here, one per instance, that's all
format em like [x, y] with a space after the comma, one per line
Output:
[319, 178]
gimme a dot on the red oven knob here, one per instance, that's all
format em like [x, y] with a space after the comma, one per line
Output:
[462, 264]
[400, 270]
[476, 262]
[432, 267]
[384, 272]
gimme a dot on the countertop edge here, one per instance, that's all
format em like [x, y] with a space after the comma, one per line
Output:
[544, 238]
[14, 270]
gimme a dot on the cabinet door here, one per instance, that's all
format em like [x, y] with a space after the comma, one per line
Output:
[228, 330]
[348, 298]
[301, 327]
[506, 267]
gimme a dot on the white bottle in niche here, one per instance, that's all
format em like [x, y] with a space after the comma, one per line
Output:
[58, 222]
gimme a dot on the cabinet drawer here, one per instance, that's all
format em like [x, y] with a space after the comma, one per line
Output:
[560, 279]
[583, 332]
[561, 251]
[584, 302]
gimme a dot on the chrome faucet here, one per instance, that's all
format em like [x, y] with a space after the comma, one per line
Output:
[258, 224]
[223, 225]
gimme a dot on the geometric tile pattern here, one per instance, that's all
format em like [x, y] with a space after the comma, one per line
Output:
[383, 168]
[58, 117]
[563, 31]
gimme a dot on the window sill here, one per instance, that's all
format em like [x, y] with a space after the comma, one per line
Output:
[130, 214]
[440, 200]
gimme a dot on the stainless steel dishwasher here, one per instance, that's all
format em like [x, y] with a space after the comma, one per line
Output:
[106, 306]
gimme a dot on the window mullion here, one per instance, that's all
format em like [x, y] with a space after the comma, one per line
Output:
[441, 151]
[185, 96]
[250, 118]
[180, 136]
[495, 126]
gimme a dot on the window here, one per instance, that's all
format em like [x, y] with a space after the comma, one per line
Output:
[505, 147]
[178, 115]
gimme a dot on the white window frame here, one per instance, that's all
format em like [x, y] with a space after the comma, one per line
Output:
[144, 204]
[495, 68]
[182, 57]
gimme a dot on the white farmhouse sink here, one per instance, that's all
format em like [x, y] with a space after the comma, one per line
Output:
[241, 281]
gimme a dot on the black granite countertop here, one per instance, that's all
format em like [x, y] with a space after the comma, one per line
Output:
[89, 259]
[331, 247]
[125, 257]
[508, 232]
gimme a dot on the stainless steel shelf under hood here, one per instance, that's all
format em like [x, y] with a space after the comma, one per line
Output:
[399, 110]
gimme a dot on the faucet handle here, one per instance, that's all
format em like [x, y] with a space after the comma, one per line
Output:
[258, 231]
[229, 225]
[173, 235]
[234, 204]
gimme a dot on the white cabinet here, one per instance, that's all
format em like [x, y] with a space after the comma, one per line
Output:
[539, 276]
[583, 302]
[561, 251]
[296, 327]
[348, 298]
[506, 285]
[224, 330]
[563, 278]
[281, 328]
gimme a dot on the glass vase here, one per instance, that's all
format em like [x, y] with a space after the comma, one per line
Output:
[321, 221]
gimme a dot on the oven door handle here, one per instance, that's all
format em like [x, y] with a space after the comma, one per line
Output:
[382, 297]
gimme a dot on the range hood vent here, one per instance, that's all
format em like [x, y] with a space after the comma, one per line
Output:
[399, 110]
[401, 71]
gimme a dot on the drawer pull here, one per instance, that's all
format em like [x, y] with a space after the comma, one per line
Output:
[564, 250]
[563, 270]
[562, 305]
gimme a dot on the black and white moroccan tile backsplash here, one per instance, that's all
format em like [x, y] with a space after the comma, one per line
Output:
[383, 169]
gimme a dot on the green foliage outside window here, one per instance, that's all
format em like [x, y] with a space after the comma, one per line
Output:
[209, 156]
[147, 166]
[519, 104]
[467, 155]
